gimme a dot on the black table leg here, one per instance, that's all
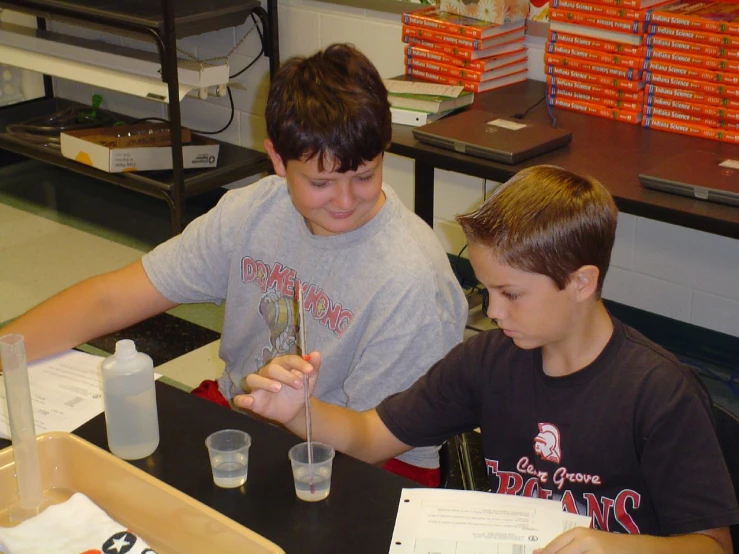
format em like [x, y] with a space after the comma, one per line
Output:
[424, 191]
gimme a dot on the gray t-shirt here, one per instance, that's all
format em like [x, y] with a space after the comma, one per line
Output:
[382, 303]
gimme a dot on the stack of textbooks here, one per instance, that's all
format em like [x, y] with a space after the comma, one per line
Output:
[452, 49]
[415, 109]
[692, 69]
[595, 56]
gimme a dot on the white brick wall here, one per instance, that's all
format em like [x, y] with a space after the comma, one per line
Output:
[680, 273]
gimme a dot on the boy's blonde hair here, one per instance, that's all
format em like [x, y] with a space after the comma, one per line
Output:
[549, 221]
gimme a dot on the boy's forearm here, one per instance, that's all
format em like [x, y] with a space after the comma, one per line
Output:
[359, 434]
[712, 541]
[94, 307]
[694, 543]
[334, 425]
[64, 321]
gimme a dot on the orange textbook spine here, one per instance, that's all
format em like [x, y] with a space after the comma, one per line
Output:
[463, 72]
[619, 12]
[627, 116]
[454, 24]
[467, 54]
[587, 77]
[691, 72]
[416, 52]
[693, 60]
[693, 119]
[693, 35]
[594, 56]
[631, 4]
[691, 130]
[605, 101]
[714, 88]
[713, 17]
[615, 24]
[459, 41]
[562, 83]
[441, 38]
[606, 70]
[688, 47]
[694, 96]
[470, 86]
[595, 44]
[700, 110]
[419, 19]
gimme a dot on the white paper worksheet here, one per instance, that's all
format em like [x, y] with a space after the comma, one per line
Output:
[442, 521]
[65, 392]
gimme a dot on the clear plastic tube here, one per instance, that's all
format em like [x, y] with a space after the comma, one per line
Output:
[306, 392]
[22, 428]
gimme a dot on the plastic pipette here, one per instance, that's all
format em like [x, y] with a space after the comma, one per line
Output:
[22, 428]
[306, 392]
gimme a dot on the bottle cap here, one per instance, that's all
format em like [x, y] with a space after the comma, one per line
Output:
[125, 349]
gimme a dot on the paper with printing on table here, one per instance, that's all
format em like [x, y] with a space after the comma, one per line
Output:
[441, 521]
[65, 392]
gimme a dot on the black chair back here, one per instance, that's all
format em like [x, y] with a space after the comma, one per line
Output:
[727, 430]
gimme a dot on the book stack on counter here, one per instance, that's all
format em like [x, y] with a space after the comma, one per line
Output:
[415, 103]
[692, 69]
[452, 49]
[595, 57]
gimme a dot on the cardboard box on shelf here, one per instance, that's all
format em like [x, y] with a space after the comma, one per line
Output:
[115, 150]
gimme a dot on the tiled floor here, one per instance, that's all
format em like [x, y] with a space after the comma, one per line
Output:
[57, 227]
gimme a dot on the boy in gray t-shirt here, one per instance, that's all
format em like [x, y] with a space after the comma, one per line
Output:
[381, 301]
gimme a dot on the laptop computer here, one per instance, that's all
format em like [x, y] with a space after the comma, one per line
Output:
[493, 136]
[703, 175]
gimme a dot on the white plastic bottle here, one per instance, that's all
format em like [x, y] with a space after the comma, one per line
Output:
[130, 402]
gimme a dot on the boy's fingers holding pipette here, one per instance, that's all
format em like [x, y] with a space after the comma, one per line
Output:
[259, 382]
[287, 370]
[314, 359]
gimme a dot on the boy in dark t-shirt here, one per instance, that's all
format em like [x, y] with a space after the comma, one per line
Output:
[572, 404]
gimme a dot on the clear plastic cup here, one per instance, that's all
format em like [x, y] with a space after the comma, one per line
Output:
[312, 483]
[229, 457]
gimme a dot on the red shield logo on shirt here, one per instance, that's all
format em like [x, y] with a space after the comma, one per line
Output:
[547, 443]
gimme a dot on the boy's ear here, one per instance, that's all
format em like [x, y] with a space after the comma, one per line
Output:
[277, 164]
[585, 282]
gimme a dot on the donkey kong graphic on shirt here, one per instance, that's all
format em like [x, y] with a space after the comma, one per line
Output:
[281, 317]
[278, 306]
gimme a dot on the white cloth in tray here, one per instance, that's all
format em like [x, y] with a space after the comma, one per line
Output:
[76, 526]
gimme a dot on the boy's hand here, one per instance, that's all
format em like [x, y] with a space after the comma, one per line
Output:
[578, 541]
[581, 540]
[276, 390]
[591, 541]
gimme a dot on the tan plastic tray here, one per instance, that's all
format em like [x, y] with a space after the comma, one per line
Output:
[168, 520]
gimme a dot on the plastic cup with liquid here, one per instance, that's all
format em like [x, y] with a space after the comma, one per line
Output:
[229, 457]
[312, 481]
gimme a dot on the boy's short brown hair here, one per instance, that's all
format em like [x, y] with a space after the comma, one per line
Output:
[333, 105]
[549, 221]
